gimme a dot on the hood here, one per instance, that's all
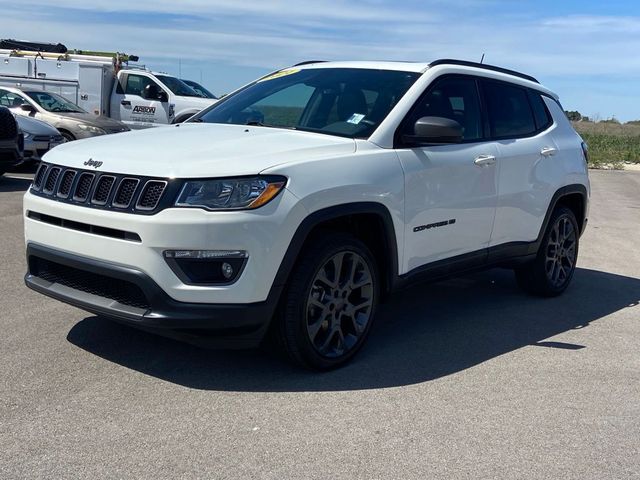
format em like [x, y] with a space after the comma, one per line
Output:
[97, 121]
[199, 150]
[35, 127]
[197, 102]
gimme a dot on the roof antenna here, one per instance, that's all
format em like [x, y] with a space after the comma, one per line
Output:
[482, 59]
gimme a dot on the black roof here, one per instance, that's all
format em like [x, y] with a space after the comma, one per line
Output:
[448, 61]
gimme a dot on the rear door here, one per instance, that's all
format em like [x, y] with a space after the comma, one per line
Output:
[450, 190]
[135, 110]
[521, 125]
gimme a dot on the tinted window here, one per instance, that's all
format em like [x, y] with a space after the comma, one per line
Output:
[137, 83]
[455, 98]
[349, 102]
[509, 110]
[540, 112]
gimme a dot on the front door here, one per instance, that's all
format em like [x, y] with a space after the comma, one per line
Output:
[450, 190]
[137, 111]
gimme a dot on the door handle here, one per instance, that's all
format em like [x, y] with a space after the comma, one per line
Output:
[548, 151]
[126, 103]
[484, 160]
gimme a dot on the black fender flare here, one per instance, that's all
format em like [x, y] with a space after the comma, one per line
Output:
[555, 199]
[332, 213]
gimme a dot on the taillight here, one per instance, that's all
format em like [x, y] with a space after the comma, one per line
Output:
[585, 152]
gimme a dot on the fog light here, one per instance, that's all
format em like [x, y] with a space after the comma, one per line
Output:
[206, 267]
[227, 270]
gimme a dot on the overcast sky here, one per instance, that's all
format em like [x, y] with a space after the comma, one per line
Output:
[587, 51]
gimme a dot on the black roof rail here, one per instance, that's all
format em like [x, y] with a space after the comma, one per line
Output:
[308, 62]
[464, 63]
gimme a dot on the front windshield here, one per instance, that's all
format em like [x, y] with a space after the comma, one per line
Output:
[177, 86]
[200, 89]
[349, 102]
[52, 102]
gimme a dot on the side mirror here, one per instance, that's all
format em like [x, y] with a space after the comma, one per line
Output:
[434, 131]
[27, 107]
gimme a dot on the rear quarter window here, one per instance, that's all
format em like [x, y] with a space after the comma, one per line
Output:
[540, 112]
[510, 114]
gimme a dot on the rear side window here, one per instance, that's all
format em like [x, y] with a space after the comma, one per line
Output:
[510, 114]
[540, 112]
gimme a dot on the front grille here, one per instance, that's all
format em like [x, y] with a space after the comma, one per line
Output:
[125, 192]
[121, 291]
[66, 183]
[103, 189]
[52, 179]
[142, 195]
[83, 187]
[150, 195]
[39, 177]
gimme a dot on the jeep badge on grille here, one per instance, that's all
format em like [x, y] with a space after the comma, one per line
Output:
[92, 163]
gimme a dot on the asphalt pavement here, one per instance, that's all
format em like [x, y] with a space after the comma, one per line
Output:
[468, 378]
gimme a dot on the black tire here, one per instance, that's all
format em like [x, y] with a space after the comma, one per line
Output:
[68, 136]
[552, 270]
[340, 320]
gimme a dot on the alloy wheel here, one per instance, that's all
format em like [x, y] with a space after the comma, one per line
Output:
[339, 305]
[561, 252]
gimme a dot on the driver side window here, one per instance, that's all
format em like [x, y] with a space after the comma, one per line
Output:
[137, 83]
[455, 98]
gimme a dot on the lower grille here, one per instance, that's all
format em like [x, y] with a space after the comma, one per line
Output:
[121, 291]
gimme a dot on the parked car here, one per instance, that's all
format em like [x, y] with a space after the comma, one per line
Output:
[11, 141]
[203, 92]
[72, 122]
[39, 138]
[360, 179]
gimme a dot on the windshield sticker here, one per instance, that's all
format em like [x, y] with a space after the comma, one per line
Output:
[281, 73]
[356, 118]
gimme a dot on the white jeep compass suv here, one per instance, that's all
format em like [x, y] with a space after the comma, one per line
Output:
[289, 209]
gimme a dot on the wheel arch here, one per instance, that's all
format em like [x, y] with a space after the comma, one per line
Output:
[370, 222]
[572, 196]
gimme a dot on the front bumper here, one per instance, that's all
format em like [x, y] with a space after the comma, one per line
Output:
[265, 233]
[228, 325]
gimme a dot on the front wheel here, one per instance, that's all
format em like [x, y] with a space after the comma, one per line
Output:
[68, 137]
[552, 270]
[329, 304]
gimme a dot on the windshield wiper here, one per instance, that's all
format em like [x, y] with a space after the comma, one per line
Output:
[256, 123]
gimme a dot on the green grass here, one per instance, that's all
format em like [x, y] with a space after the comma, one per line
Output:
[610, 144]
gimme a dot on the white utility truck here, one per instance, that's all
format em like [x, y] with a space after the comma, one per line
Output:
[104, 84]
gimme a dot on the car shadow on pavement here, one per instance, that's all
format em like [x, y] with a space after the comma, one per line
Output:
[422, 334]
[14, 184]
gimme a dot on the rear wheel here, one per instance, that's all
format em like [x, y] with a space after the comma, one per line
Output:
[329, 304]
[552, 270]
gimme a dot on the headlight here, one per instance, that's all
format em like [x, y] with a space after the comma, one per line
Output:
[91, 128]
[230, 193]
[27, 136]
